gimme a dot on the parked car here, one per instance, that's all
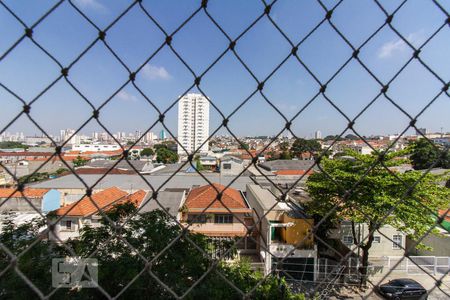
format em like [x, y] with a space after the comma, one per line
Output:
[403, 288]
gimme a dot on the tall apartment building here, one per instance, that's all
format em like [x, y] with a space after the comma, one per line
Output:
[193, 123]
[318, 135]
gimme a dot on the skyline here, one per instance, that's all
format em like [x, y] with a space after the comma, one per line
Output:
[227, 84]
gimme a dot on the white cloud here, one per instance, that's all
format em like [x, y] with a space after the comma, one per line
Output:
[388, 49]
[393, 47]
[155, 72]
[126, 97]
[284, 106]
[92, 4]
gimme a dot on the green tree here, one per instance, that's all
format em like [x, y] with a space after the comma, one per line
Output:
[36, 177]
[424, 155]
[147, 152]
[351, 137]
[285, 155]
[61, 171]
[12, 145]
[376, 194]
[179, 267]
[301, 146]
[79, 161]
[243, 146]
[166, 156]
[332, 138]
[284, 146]
[198, 163]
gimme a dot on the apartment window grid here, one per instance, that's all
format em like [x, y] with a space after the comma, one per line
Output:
[29, 33]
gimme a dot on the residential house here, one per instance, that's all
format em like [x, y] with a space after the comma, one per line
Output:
[211, 217]
[22, 207]
[388, 241]
[208, 162]
[29, 201]
[230, 165]
[284, 234]
[84, 212]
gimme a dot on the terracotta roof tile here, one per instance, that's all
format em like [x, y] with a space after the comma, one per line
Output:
[28, 192]
[89, 171]
[201, 197]
[26, 153]
[104, 199]
[293, 172]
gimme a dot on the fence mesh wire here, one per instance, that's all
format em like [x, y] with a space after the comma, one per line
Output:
[260, 86]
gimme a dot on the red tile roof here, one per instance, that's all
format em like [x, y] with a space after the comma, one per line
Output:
[199, 198]
[293, 172]
[99, 171]
[26, 153]
[104, 199]
[28, 192]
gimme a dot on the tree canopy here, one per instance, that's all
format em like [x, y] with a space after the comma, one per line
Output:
[179, 267]
[12, 145]
[147, 152]
[79, 161]
[166, 156]
[301, 146]
[376, 194]
[425, 155]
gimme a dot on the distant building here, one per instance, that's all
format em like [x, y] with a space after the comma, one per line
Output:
[193, 123]
[95, 147]
[318, 135]
[162, 134]
[230, 165]
[421, 131]
[150, 137]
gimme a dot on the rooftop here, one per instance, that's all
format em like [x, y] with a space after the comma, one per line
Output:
[134, 182]
[28, 192]
[277, 165]
[170, 200]
[206, 196]
[104, 200]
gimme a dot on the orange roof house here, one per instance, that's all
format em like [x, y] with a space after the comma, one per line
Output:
[212, 217]
[104, 200]
[28, 192]
[202, 197]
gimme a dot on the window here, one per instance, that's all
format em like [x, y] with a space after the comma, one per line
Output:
[68, 225]
[196, 218]
[396, 241]
[347, 239]
[377, 239]
[226, 166]
[222, 219]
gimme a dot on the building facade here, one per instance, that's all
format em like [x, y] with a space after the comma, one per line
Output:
[193, 123]
[70, 219]
[284, 235]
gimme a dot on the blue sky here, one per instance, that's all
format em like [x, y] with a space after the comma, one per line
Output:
[27, 70]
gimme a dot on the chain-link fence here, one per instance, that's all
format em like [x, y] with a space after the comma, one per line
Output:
[299, 263]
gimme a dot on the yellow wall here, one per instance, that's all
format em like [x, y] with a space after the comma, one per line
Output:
[295, 234]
